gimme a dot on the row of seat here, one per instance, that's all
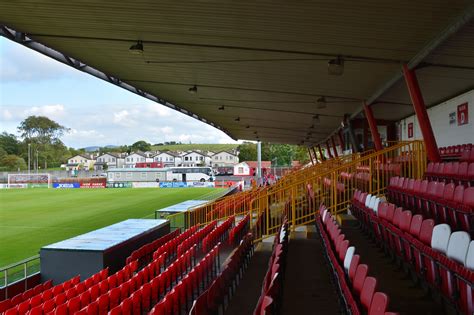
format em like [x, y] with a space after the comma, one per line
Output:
[83, 292]
[357, 288]
[456, 151]
[195, 239]
[213, 298]
[442, 259]
[239, 231]
[17, 299]
[271, 295]
[144, 254]
[455, 172]
[171, 247]
[219, 234]
[191, 284]
[443, 202]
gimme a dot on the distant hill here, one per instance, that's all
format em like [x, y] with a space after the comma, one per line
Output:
[96, 148]
[194, 146]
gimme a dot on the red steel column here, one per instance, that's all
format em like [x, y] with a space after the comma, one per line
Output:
[320, 153]
[315, 155]
[334, 146]
[341, 140]
[373, 127]
[329, 149]
[310, 156]
[423, 118]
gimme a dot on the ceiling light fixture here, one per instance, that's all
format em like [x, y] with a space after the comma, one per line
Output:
[321, 103]
[336, 66]
[237, 119]
[316, 119]
[193, 89]
[136, 49]
[222, 107]
[248, 126]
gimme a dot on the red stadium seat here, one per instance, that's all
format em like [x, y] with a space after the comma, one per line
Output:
[85, 298]
[361, 274]
[93, 308]
[368, 290]
[353, 267]
[379, 304]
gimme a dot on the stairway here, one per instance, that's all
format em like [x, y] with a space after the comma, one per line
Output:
[308, 288]
[248, 290]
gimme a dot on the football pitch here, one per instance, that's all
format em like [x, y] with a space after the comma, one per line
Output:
[32, 218]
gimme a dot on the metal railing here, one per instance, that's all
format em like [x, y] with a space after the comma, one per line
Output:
[298, 194]
[19, 271]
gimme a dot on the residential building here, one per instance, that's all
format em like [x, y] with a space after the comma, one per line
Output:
[80, 162]
[113, 160]
[224, 158]
[249, 168]
[135, 157]
[194, 158]
[168, 158]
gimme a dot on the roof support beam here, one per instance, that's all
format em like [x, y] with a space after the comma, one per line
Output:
[373, 127]
[334, 147]
[422, 115]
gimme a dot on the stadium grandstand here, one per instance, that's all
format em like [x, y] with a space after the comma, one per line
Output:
[380, 221]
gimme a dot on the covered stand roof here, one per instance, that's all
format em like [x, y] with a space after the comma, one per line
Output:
[259, 68]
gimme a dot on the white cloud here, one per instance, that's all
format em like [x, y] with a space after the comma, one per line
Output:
[6, 114]
[50, 111]
[122, 118]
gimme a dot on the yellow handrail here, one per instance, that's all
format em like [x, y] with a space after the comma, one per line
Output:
[298, 194]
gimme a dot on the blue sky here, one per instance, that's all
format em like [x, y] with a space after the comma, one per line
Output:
[97, 112]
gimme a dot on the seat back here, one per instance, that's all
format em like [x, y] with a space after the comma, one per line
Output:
[348, 259]
[440, 237]
[367, 200]
[368, 290]
[379, 304]
[382, 210]
[448, 192]
[361, 274]
[468, 199]
[415, 225]
[396, 216]
[426, 231]
[355, 263]
[431, 189]
[469, 263]
[390, 212]
[405, 220]
[458, 194]
[458, 246]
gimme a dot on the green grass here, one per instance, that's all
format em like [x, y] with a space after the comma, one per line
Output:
[203, 146]
[32, 218]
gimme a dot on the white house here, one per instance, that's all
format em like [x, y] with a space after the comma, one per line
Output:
[194, 158]
[113, 160]
[134, 158]
[224, 158]
[80, 162]
[168, 159]
[241, 169]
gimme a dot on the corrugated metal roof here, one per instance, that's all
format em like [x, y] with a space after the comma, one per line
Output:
[265, 61]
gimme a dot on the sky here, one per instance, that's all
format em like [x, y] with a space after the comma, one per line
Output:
[97, 112]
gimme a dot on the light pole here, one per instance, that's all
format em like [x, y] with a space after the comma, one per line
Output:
[29, 149]
[37, 161]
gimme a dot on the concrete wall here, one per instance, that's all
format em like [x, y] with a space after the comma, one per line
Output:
[55, 175]
[446, 130]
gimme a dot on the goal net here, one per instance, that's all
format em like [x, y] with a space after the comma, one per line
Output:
[29, 180]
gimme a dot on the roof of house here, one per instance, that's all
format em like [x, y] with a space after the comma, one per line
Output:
[114, 154]
[81, 155]
[175, 154]
[139, 153]
[226, 152]
[254, 164]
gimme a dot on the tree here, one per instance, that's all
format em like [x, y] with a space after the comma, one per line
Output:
[9, 143]
[42, 128]
[141, 146]
[247, 152]
[13, 162]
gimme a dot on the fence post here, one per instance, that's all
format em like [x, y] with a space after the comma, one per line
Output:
[293, 207]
